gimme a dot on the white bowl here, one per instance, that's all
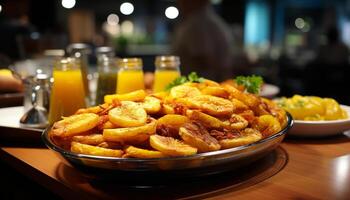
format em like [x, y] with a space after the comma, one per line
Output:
[321, 128]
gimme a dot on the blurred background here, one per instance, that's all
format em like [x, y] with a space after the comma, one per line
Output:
[299, 45]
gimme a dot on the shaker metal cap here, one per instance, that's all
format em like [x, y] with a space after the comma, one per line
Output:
[74, 47]
[109, 51]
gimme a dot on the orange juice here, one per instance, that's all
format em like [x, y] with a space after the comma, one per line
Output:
[67, 94]
[162, 78]
[167, 70]
[130, 75]
[129, 80]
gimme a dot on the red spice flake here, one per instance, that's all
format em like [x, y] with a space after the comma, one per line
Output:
[225, 134]
[101, 120]
[167, 131]
[180, 109]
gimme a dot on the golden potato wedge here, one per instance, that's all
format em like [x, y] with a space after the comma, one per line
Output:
[131, 135]
[204, 84]
[107, 125]
[247, 98]
[77, 147]
[239, 105]
[176, 121]
[215, 91]
[207, 120]
[151, 105]
[197, 136]
[135, 152]
[236, 122]
[267, 125]
[183, 91]
[160, 95]
[129, 114]
[93, 139]
[248, 136]
[138, 95]
[171, 146]
[211, 105]
[167, 109]
[75, 124]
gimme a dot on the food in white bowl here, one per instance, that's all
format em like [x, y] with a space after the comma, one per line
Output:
[315, 116]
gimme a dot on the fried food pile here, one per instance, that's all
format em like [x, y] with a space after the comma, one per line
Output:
[191, 118]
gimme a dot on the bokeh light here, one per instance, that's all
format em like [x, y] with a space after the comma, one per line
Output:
[68, 3]
[127, 8]
[171, 12]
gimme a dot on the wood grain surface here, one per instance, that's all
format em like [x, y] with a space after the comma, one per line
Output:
[298, 169]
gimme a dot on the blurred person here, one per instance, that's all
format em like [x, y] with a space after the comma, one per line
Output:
[327, 74]
[12, 28]
[335, 52]
[202, 40]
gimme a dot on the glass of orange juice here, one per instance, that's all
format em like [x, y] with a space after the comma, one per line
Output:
[130, 75]
[167, 70]
[67, 92]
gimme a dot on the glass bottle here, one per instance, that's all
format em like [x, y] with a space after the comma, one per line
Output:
[67, 92]
[107, 73]
[130, 75]
[167, 70]
[80, 52]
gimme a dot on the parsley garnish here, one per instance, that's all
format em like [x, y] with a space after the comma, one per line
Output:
[252, 83]
[192, 77]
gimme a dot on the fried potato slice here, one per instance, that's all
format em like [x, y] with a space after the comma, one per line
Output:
[167, 109]
[135, 152]
[215, 91]
[267, 125]
[75, 124]
[93, 139]
[138, 95]
[204, 84]
[247, 98]
[160, 95]
[239, 105]
[107, 125]
[211, 105]
[182, 91]
[171, 146]
[176, 121]
[132, 135]
[248, 136]
[151, 105]
[207, 120]
[129, 114]
[77, 147]
[197, 136]
[236, 122]
[99, 110]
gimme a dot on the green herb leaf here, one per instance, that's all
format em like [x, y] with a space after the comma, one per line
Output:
[251, 83]
[178, 81]
[192, 77]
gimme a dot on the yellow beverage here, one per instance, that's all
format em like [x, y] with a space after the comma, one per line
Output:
[130, 75]
[67, 94]
[163, 78]
[167, 70]
[129, 80]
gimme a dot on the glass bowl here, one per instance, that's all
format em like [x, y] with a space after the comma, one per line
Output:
[185, 166]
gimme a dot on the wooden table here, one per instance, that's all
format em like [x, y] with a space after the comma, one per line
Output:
[298, 169]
